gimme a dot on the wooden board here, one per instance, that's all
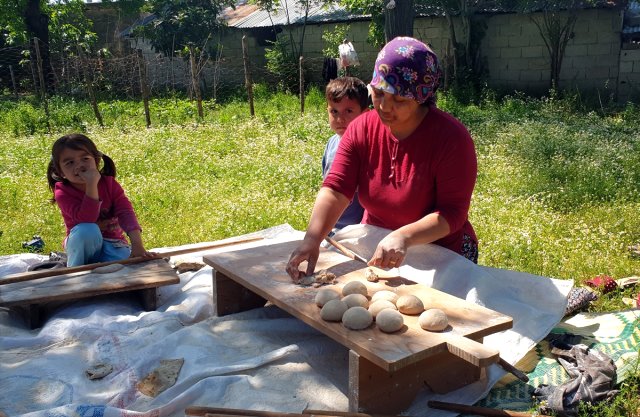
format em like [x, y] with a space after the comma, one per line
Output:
[85, 284]
[262, 270]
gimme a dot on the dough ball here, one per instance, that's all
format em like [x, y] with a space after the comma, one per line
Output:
[389, 320]
[107, 269]
[410, 304]
[354, 287]
[325, 295]
[357, 318]
[384, 295]
[356, 300]
[433, 320]
[333, 310]
[377, 306]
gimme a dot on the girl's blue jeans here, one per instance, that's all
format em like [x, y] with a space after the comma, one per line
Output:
[85, 245]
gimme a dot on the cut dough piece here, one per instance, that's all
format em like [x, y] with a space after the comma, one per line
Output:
[354, 287]
[163, 377]
[99, 371]
[356, 300]
[385, 295]
[370, 275]
[107, 269]
[410, 304]
[357, 318]
[389, 320]
[434, 320]
[324, 295]
[376, 307]
[333, 310]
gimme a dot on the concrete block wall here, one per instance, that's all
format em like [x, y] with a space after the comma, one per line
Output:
[629, 76]
[518, 59]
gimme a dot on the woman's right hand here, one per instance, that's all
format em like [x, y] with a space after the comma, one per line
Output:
[307, 251]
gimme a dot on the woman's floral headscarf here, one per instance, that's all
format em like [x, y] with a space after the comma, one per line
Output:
[408, 68]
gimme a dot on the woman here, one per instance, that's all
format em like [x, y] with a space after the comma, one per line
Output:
[414, 166]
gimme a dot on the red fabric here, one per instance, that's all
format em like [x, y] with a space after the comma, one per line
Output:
[113, 213]
[603, 282]
[400, 182]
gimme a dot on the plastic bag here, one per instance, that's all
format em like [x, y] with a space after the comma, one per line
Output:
[348, 55]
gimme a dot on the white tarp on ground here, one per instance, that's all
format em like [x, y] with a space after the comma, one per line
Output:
[261, 359]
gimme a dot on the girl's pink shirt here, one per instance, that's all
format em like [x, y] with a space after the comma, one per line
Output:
[113, 213]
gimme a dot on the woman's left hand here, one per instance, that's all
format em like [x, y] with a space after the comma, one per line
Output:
[390, 252]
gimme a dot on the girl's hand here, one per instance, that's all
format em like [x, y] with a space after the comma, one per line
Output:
[390, 252]
[89, 174]
[141, 252]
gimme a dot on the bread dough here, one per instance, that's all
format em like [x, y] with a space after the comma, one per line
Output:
[325, 295]
[389, 320]
[370, 275]
[354, 287]
[384, 295]
[434, 320]
[377, 306]
[353, 300]
[318, 279]
[107, 269]
[333, 310]
[410, 304]
[163, 377]
[357, 318]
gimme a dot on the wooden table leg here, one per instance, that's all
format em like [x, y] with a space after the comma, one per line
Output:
[149, 298]
[230, 297]
[374, 390]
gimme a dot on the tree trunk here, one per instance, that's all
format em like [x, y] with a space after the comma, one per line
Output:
[398, 18]
[37, 24]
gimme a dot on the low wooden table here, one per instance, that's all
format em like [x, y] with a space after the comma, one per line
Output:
[30, 296]
[386, 371]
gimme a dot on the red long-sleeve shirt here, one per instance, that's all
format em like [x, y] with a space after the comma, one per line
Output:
[399, 182]
[113, 213]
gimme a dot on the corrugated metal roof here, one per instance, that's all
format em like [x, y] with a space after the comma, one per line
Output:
[289, 12]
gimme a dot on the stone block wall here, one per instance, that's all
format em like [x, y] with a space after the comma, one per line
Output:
[629, 76]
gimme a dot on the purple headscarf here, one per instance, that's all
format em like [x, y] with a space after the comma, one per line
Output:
[408, 68]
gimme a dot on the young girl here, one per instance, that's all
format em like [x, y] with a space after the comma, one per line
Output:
[95, 209]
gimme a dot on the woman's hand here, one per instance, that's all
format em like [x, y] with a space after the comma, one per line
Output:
[307, 251]
[390, 252]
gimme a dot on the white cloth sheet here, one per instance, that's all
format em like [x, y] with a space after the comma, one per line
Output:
[262, 359]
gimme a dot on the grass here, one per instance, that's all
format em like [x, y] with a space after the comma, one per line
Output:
[558, 191]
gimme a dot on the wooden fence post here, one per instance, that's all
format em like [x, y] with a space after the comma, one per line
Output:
[144, 87]
[88, 80]
[43, 87]
[13, 81]
[248, 83]
[301, 85]
[195, 82]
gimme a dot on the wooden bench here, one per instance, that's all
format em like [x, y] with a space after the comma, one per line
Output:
[386, 371]
[30, 297]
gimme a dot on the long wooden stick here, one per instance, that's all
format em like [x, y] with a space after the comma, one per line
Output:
[348, 252]
[28, 276]
[480, 411]
[513, 370]
[227, 412]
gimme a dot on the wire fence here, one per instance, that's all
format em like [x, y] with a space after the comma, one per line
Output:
[27, 71]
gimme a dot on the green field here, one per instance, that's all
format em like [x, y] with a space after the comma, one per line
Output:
[558, 191]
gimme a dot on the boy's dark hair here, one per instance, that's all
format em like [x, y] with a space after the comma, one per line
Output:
[350, 87]
[78, 142]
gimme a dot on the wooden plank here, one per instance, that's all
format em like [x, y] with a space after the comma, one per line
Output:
[373, 390]
[87, 284]
[262, 270]
[229, 297]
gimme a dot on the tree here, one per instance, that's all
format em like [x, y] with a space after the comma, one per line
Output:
[398, 18]
[555, 23]
[180, 25]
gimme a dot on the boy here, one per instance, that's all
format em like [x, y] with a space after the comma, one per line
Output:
[347, 98]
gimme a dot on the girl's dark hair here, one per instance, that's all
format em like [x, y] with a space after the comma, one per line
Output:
[78, 142]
